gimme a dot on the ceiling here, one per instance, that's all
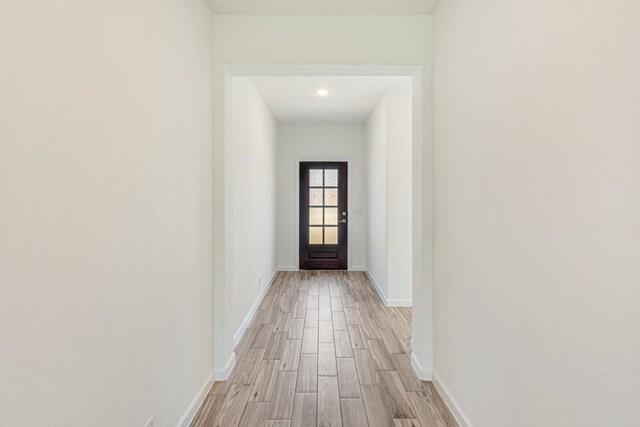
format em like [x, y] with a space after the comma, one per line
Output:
[350, 99]
[323, 7]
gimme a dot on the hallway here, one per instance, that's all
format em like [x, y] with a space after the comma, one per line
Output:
[323, 350]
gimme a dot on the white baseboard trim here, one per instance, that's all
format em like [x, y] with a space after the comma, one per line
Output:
[195, 404]
[451, 402]
[252, 312]
[399, 303]
[383, 297]
[223, 373]
[388, 302]
[421, 372]
[358, 268]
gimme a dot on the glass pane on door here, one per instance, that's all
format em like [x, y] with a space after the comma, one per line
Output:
[315, 178]
[315, 216]
[315, 197]
[331, 197]
[331, 235]
[330, 216]
[315, 235]
[331, 177]
[323, 204]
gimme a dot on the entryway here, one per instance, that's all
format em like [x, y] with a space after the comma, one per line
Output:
[323, 214]
[323, 172]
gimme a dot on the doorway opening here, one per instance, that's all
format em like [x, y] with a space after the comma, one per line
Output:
[324, 207]
[332, 182]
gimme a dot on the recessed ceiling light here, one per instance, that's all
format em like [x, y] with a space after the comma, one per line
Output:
[322, 92]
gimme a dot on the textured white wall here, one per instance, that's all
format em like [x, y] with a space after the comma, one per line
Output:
[336, 40]
[389, 191]
[324, 142]
[253, 195]
[105, 211]
[377, 182]
[537, 211]
[399, 204]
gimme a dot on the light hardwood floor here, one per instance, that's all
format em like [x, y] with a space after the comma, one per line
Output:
[323, 350]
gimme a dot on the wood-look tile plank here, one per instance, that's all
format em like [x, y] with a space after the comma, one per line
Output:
[265, 380]
[220, 387]
[310, 340]
[300, 310]
[339, 321]
[301, 295]
[406, 423]
[402, 365]
[334, 291]
[348, 378]
[232, 408]
[247, 366]
[312, 302]
[307, 374]
[291, 355]
[282, 322]
[357, 337]
[343, 344]
[263, 336]
[395, 395]
[324, 312]
[311, 319]
[440, 406]
[324, 297]
[209, 410]
[353, 413]
[313, 289]
[283, 394]
[329, 414]
[325, 331]
[278, 423]
[296, 329]
[304, 410]
[352, 315]
[327, 365]
[255, 414]
[276, 346]
[348, 301]
[426, 410]
[381, 356]
[370, 329]
[366, 367]
[245, 342]
[390, 341]
[378, 413]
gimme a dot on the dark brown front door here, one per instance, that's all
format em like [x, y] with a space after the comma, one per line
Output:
[323, 215]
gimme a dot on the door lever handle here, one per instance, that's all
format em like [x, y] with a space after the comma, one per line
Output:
[344, 221]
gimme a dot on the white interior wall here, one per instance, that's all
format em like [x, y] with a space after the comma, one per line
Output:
[377, 171]
[105, 211]
[253, 198]
[321, 40]
[537, 207]
[399, 203]
[389, 195]
[308, 142]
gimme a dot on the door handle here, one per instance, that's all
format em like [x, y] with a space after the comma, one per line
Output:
[344, 221]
